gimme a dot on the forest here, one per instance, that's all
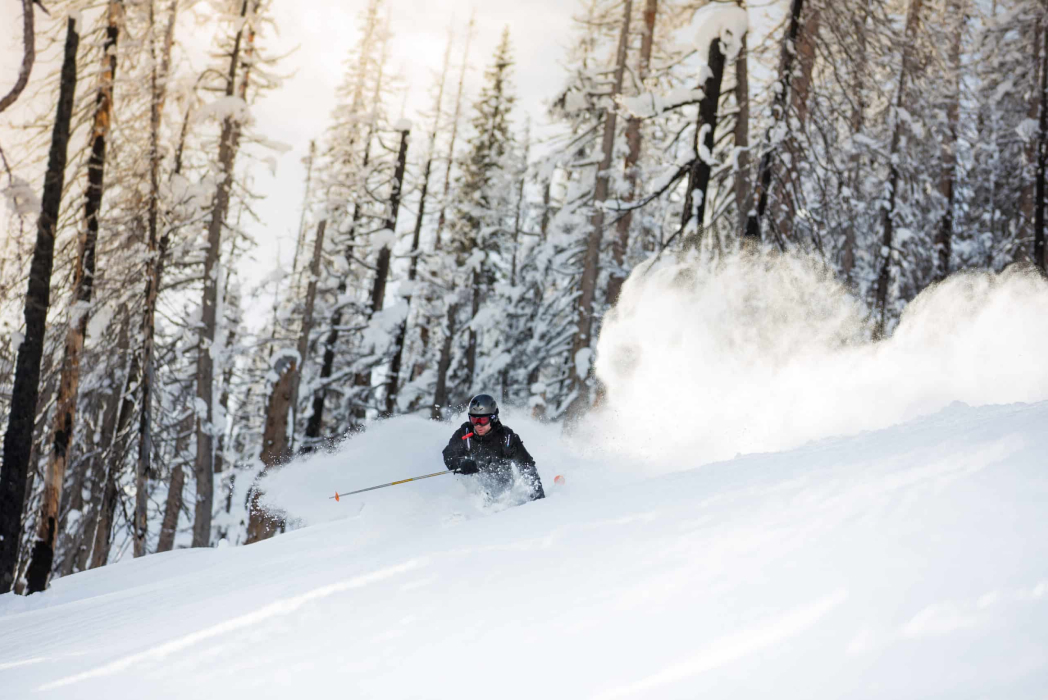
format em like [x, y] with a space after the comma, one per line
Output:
[887, 143]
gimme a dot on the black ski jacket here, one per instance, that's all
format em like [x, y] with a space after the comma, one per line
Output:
[493, 455]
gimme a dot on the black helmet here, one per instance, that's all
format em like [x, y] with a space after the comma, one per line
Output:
[484, 405]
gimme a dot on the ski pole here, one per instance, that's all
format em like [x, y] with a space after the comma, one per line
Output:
[392, 483]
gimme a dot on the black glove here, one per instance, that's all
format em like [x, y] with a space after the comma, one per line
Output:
[466, 465]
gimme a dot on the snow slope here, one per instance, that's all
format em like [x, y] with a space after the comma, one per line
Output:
[907, 562]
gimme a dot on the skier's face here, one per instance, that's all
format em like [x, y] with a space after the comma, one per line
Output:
[481, 424]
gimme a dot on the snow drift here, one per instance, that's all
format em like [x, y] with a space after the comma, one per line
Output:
[904, 563]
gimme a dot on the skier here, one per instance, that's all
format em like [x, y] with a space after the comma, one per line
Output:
[485, 446]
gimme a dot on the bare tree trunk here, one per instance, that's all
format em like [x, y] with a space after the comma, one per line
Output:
[416, 237]
[587, 285]
[173, 507]
[307, 324]
[378, 287]
[955, 10]
[107, 509]
[887, 239]
[64, 425]
[275, 450]
[18, 440]
[301, 240]
[154, 266]
[786, 206]
[1042, 161]
[633, 143]
[455, 118]
[1026, 195]
[857, 119]
[695, 197]
[227, 149]
[778, 114]
[440, 395]
[742, 135]
[28, 56]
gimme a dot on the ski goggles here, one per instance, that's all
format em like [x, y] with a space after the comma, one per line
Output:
[480, 420]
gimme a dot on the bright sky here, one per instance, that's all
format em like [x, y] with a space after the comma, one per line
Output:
[317, 37]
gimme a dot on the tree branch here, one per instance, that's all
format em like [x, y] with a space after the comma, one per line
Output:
[28, 56]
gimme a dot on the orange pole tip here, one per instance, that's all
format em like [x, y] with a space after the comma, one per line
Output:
[336, 497]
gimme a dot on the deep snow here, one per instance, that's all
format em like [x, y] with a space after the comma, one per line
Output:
[910, 562]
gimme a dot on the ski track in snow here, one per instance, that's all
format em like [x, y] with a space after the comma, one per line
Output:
[908, 562]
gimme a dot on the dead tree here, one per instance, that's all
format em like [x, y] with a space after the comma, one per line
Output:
[955, 10]
[416, 236]
[582, 340]
[28, 56]
[275, 449]
[778, 115]
[64, 422]
[913, 20]
[227, 150]
[378, 286]
[1042, 160]
[154, 269]
[18, 440]
[701, 167]
[633, 143]
[307, 322]
[742, 134]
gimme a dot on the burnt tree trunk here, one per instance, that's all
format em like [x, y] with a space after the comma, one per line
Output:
[173, 507]
[204, 464]
[378, 286]
[778, 115]
[699, 173]
[1042, 160]
[18, 440]
[261, 524]
[633, 143]
[887, 236]
[948, 182]
[742, 135]
[64, 423]
[154, 267]
[307, 322]
[582, 340]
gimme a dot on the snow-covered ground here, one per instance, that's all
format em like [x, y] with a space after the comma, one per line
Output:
[908, 562]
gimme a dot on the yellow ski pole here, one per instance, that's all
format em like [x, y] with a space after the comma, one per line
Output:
[338, 495]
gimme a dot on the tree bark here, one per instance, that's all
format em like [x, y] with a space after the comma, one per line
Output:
[633, 144]
[204, 465]
[307, 323]
[1026, 194]
[887, 237]
[955, 10]
[378, 287]
[64, 424]
[173, 507]
[440, 394]
[28, 56]
[261, 524]
[702, 165]
[742, 135]
[778, 114]
[18, 440]
[154, 266]
[1042, 160]
[587, 285]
